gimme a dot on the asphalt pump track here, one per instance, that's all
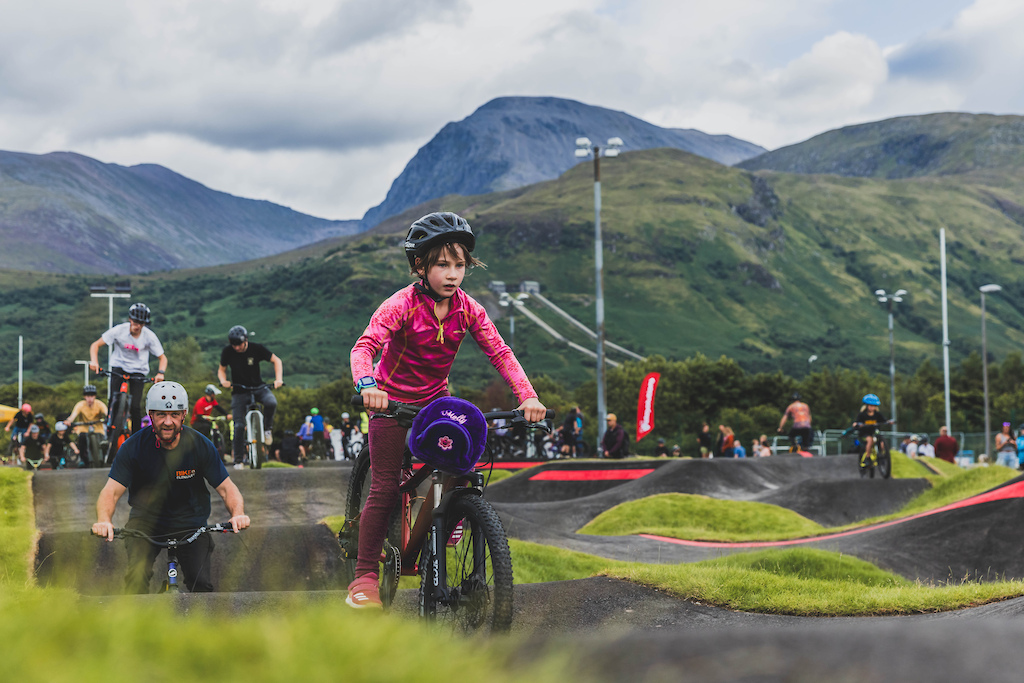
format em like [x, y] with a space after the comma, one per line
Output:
[610, 629]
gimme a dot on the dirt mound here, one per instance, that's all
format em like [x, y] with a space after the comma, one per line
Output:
[836, 503]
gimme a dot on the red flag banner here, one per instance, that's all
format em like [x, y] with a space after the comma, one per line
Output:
[645, 405]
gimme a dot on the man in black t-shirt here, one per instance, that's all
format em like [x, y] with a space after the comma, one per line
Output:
[244, 358]
[165, 469]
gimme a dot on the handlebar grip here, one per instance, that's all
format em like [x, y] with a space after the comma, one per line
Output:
[549, 414]
[357, 400]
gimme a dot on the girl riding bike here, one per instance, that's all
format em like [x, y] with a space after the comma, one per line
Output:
[868, 420]
[417, 332]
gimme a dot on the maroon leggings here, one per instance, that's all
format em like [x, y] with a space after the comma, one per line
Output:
[387, 445]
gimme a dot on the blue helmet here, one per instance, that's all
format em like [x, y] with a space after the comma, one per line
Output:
[871, 400]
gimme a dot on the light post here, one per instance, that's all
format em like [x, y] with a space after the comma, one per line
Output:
[986, 289]
[122, 290]
[585, 148]
[512, 302]
[85, 370]
[890, 299]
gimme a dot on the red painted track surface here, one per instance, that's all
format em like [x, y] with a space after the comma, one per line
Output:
[591, 475]
[1007, 492]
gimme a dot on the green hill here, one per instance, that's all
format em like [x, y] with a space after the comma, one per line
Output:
[908, 147]
[768, 268]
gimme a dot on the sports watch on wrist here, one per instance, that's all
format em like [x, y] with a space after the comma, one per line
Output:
[367, 382]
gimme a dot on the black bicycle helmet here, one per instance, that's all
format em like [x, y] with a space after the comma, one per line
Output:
[437, 228]
[140, 313]
[89, 389]
[237, 335]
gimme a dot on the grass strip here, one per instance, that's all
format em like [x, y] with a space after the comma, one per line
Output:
[130, 640]
[17, 527]
[794, 581]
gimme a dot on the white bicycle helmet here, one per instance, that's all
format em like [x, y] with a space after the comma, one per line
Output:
[169, 396]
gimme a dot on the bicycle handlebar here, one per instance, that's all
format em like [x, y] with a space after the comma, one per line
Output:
[221, 527]
[407, 411]
[243, 387]
[125, 375]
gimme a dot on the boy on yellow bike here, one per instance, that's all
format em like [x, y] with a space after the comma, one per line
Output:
[868, 420]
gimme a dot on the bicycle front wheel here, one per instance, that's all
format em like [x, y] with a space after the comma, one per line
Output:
[884, 460]
[479, 571]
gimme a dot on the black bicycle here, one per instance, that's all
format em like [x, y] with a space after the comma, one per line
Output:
[172, 542]
[448, 535]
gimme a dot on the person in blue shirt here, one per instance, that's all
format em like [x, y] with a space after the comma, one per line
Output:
[165, 468]
[317, 427]
[738, 451]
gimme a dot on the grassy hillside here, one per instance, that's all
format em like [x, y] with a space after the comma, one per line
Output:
[767, 268]
[906, 147]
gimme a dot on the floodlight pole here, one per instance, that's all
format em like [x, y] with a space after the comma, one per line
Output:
[984, 364]
[602, 406]
[85, 371]
[110, 296]
[945, 329]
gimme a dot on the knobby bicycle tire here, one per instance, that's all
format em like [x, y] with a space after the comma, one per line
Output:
[479, 571]
[118, 431]
[884, 460]
[255, 450]
[358, 489]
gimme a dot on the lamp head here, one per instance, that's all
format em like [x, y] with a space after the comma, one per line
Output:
[989, 289]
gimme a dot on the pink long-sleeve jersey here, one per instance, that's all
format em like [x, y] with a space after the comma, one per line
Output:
[417, 350]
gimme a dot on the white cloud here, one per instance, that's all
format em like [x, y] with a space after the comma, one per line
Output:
[319, 104]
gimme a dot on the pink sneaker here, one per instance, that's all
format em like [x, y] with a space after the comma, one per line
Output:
[364, 593]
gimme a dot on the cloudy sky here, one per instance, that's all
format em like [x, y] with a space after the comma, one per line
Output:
[319, 104]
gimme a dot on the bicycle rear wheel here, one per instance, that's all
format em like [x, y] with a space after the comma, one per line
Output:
[348, 537]
[479, 570]
[884, 460]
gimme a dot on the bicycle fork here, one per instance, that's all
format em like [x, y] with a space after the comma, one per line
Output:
[437, 560]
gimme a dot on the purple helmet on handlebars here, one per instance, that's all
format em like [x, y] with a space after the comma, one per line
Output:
[449, 434]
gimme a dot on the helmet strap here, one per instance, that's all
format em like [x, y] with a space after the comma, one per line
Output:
[423, 287]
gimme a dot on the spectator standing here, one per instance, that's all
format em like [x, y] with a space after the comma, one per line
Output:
[904, 443]
[946, 446]
[569, 434]
[704, 440]
[677, 452]
[1020, 447]
[738, 450]
[305, 435]
[912, 446]
[800, 412]
[926, 450]
[1006, 448]
[318, 443]
[613, 444]
[661, 450]
[727, 441]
